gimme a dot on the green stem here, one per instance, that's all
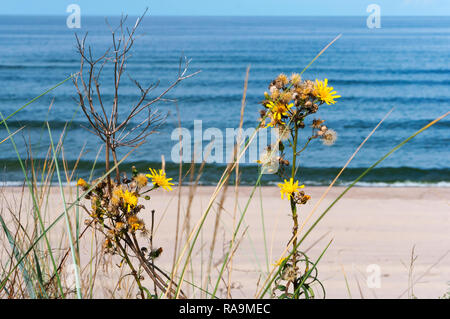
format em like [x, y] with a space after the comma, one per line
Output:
[305, 146]
[133, 271]
[293, 204]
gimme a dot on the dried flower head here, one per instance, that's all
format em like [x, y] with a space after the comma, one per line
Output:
[155, 253]
[269, 161]
[283, 161]
[283, 79]
[284, 133]
[275, 94]
[306, 88]
[317, 123]
[289, 274]
[286, 96]
[120, 226]
[296, 78]
[301, 198]
[141, 180]
[329, 137]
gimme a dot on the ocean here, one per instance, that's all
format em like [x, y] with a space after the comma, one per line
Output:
[404, 65]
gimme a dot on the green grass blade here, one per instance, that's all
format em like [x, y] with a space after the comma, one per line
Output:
[36, 98]
[69, 231]
[39, 275]
[35, 205]
[17, 253]
[225, 261]
[320, 53]
[266, 250]
[77, 225]
[6, 138]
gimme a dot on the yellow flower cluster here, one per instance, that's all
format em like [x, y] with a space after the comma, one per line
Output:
[130, 199]
[285, 93]
[114, 203]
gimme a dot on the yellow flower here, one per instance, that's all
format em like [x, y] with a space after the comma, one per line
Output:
[159, 179]
[278, 110]
[108, 244]
[324, 92]
[120, 226]
[288, 188]
[135, 223]
[280, 261]
[117, 194]
[82, 183]
[129, 199]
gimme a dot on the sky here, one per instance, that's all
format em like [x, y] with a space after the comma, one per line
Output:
[228, 7]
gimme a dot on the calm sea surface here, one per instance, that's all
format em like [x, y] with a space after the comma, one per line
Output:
[404, 65]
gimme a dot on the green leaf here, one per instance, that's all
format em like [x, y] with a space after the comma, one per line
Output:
[281, 288]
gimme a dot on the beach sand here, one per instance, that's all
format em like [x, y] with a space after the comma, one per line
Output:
[373, 232]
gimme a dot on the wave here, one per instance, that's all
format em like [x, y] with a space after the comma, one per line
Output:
[232, 94]
[345, 124]
[219, 64]
[377, 184]
[397, 99]
[315, 176]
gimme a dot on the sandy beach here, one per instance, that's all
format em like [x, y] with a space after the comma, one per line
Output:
[373, 231]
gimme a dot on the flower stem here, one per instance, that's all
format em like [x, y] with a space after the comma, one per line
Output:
[133, 271]
[293, 204]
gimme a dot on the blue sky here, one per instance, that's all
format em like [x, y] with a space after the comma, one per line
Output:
[227, 7]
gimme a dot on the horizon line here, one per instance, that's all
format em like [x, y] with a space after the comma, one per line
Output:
[212, 16]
